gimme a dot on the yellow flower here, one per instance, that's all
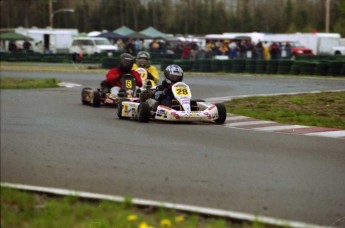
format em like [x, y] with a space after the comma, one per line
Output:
[144, 225]
[179, 218]
[132, 217]
[165, 222]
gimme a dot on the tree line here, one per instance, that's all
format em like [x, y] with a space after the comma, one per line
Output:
[196, 17]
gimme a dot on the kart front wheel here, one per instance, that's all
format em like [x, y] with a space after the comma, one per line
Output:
[221, 113]
[96, 101]
[144, 112]
[119, 110]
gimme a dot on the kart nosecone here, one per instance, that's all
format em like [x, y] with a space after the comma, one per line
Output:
[96, 98]
[182, 109]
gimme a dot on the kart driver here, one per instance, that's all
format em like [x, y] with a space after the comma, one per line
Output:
[164, 95]
[113, 83]
[143, 60]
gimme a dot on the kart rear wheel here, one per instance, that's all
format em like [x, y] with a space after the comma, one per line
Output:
[96, 101]
[84, 91]
[144, 112]
[221, 113]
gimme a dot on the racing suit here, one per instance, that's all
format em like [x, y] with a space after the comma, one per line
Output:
[113, 81]
[152, 72]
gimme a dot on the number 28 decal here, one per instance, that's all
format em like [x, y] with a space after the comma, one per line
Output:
[181, 91]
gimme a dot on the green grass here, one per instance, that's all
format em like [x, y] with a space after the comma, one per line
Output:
[325, 109]
[24, 209]
[27, 83]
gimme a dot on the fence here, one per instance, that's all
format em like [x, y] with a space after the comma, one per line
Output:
[301, 65]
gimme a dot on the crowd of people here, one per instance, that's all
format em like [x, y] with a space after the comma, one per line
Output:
[236, 49]
[232, 49]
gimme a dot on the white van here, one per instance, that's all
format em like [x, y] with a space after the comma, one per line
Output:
[91, 45]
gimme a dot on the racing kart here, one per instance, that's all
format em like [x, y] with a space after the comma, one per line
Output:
[96, 98]
[182, 109]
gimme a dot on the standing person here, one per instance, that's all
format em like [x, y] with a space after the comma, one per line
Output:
[288, 50]
[193, 49]
[154, 46]
[242, 48]
[112, 84]
[143, 60]
[274, 50]
[120, 44]
[266, 51]
[27, 46]
[223, 49]
[259, 50]
[138, 45]
[233, 50]
[186, 51]
[12, 47]
[130, 47]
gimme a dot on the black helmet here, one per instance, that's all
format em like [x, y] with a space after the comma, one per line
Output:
[173, 73]
[143, 59]
[126, 62]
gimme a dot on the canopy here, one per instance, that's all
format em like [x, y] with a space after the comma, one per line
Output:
[124, 30]
[111, 35]
[13, 36]
[154, 33]
[138, 35]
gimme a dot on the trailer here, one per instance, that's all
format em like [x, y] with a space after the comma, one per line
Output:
[49, 40]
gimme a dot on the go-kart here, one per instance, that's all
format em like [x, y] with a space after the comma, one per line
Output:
[128, 92]
[147, 83]
[182, 109]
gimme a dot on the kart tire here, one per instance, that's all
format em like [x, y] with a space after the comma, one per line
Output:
[119, 110]
[84, 91]
[144, 112]
[221, 113]
[146, 94]
[96, 101]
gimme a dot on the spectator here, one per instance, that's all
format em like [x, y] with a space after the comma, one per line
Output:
[120, 44]
[178, 49]
[223, 49]
[193, 49]
[209, 49]
[233, 50]
[12, 47]
[274, 50]
[130, 47]
[259, 50]
[266, 51]
[186, 52]
[249, 50]
[288, 50]
[27, 46]
[154, 46]
[243, 49]
[138, 45]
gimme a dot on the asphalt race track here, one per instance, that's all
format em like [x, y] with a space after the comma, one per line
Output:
[48, 138]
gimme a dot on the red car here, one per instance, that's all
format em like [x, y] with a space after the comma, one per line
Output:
[298, 49]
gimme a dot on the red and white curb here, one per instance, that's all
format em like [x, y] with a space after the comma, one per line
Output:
[243, 122]
[181, 207]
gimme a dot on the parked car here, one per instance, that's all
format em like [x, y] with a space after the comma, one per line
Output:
[91, 45]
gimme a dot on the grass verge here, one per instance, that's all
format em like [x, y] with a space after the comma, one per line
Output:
[27, 83]
[325, 109]
[24, 209]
